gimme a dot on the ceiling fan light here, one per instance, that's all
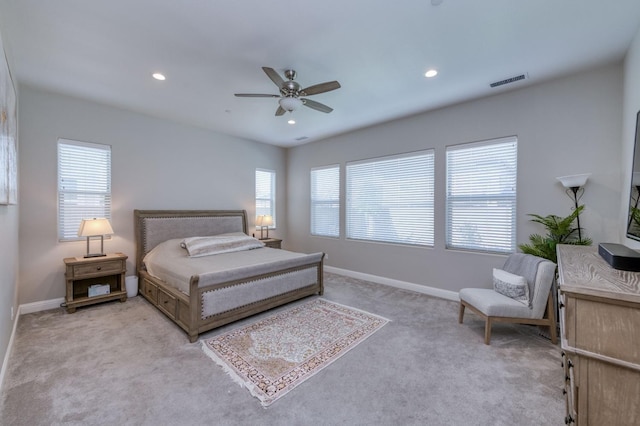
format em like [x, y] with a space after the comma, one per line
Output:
[289, 103]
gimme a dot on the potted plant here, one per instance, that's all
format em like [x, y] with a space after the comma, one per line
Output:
[560, 230]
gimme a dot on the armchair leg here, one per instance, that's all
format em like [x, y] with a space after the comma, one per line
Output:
[487, 331]
[461, 314]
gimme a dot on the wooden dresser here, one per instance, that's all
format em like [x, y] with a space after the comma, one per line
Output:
[600, 338]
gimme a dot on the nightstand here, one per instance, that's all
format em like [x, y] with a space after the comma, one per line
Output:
[83, 272]
[272, 242]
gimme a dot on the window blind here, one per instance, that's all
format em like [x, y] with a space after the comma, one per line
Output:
[481, 195]
[84, 185]
[325, 201]
[266, 194]
[390, 199]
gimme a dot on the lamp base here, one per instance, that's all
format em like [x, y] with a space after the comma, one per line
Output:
[94, 255]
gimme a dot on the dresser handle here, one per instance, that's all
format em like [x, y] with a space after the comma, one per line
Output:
[561, 305]
[99, 268]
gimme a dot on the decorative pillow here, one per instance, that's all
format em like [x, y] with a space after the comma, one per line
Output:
[217, 244]
[511, 285]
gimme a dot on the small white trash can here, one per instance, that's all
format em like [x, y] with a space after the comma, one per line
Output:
[131, 283]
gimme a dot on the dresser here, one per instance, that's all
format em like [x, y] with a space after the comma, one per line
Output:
[600, 338]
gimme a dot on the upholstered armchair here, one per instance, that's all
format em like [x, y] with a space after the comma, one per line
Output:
[521, 294]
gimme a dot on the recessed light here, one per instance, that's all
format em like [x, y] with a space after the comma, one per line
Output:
[292, 121]
[158, 76]
[431, 73]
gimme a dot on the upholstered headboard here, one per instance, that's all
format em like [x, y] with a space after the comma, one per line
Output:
[155, 226]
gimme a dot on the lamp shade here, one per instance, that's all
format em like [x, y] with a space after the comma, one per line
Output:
[574, 181]
[267, 220]
[290, 104]
[94, 227]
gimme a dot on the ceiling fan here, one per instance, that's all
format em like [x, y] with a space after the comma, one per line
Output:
[291, 94]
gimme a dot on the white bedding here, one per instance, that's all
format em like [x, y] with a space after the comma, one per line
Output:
[171, 263]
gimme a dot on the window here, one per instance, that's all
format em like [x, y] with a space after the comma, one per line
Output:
[84, 185]
[325, 201]
[481, 195]
[390, 199]
[266, 194]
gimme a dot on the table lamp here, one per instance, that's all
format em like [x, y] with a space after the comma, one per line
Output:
[95, 228]
[264, 221]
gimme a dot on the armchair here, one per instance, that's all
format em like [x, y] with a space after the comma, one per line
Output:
[495, 306]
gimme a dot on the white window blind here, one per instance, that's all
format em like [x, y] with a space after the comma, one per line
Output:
[390, 199]
[266, 194]
[84, 185]
[325, 201]
[481, 195]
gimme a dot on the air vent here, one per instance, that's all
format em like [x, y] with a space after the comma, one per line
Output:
[301, 138]
[508, 80]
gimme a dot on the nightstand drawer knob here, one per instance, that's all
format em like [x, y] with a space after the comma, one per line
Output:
[99, 268]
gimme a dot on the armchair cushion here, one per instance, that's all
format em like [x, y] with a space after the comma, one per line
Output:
[511, 285]
[493, 304]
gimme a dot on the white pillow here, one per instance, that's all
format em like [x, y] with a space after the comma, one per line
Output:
[217, 244]
[511, 285]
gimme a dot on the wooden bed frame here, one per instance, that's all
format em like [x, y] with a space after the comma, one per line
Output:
[186, 310]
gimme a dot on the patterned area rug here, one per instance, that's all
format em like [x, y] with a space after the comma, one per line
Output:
[274, 355]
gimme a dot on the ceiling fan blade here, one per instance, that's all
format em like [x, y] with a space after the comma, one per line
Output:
[280, 111]
[274, 76]
[255, 95]
[320, 88]
[316, 105]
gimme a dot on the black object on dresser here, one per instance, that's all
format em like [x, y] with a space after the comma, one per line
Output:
[620, 257]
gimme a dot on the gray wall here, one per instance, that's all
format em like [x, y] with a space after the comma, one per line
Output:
[155, 165]
[8, 267]
[566, 126]
[631, 106]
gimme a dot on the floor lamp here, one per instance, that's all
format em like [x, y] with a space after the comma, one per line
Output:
[574, 185]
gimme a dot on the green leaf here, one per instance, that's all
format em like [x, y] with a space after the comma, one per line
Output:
[560, 230]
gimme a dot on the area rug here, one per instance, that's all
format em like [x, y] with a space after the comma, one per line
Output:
[272, 356]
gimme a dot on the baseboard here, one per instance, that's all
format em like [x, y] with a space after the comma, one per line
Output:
[7, 354]
[430, 291]
[44, 305]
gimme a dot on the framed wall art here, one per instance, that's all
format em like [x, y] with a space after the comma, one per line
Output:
[8, 135]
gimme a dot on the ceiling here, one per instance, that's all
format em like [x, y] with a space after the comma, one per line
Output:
[378, 50]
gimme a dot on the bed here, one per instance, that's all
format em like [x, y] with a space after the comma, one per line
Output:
[238, 285]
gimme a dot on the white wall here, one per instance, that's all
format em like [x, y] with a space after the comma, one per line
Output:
[8, 266]
[631, 106]
[565, 126]
[155, 165]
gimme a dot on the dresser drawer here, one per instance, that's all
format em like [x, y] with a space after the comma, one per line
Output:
[604, 328]
[97, 268]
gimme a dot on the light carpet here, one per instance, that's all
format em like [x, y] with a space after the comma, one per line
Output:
[272, 356]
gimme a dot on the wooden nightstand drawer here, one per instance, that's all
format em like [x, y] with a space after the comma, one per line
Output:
[272, 242]
[99, 268]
